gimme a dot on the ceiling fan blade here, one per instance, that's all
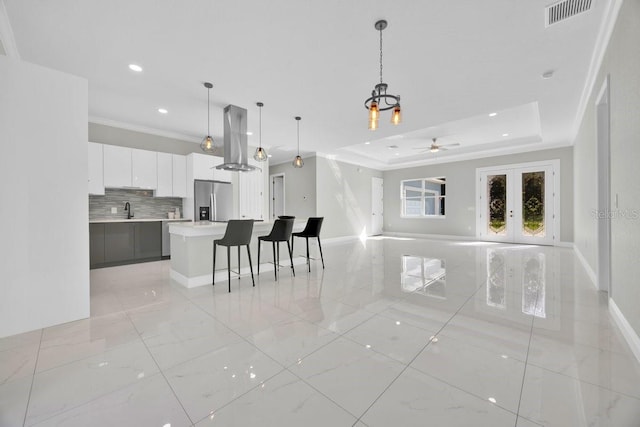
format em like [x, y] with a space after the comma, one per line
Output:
[455, 144]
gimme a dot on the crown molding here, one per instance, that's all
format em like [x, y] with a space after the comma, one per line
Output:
[142, 129]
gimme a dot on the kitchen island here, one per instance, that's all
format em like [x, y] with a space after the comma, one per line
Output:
[192, 252]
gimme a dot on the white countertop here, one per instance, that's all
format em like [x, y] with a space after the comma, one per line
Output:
[108, 220]
[206, 228]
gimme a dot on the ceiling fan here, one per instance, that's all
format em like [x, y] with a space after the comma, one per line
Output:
[435, 147]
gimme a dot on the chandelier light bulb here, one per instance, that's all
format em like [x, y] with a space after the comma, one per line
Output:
[396, 117]
[373, 124]
[374, 113]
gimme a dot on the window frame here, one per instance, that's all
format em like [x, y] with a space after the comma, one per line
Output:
[426, 193]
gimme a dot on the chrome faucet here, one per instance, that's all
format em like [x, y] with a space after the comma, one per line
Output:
[127, 207]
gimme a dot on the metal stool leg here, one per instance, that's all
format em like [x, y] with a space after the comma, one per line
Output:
[308, 260]
[321, 256]
[275, 266]
[251, 266]
[229, 266]
[238, 262]
[259, 245]
[213, 278]
[291, 258]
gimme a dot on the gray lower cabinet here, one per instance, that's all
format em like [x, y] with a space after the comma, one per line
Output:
[96, 245]
[148, 240]
[119, 242]
[124, 243]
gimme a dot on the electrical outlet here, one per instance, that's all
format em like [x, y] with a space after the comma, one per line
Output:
[114, 210]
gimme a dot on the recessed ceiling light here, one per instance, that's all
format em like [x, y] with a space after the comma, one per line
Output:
[493, 114]
[269, 155]
[397, 154]
[367, 143]
[135, 67]
[505, 134]
[163, 110]
[547, 74]
[249, 133]
[492, 400]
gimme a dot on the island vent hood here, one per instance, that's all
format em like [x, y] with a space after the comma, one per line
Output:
[235, 140]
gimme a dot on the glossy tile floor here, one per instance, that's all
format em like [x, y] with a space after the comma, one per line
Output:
[394, 332]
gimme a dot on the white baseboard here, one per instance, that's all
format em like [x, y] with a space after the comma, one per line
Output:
[628, 332]
[565, 244]
[221, 275]
[592, 274]
[430, 236]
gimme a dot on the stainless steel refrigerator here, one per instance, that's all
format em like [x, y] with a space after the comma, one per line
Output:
[213, 200]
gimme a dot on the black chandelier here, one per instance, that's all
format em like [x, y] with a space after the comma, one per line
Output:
[380, 100]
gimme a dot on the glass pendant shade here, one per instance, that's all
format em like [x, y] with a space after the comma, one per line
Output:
[396, 117]
[207, 145]
[297, 161]
[373, 124]
[260, 154]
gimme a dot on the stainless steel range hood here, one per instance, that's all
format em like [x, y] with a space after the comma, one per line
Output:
[235, 140]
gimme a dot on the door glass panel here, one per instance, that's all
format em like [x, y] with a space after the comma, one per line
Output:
[497, 204]
[533, 204]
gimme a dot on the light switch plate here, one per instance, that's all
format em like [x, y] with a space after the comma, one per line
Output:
[114, 210]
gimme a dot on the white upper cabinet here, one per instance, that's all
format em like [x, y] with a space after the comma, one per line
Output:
[202, 165]
[117, 166]
[179, 183]
[165, 175]
[96, 169]
[144, 169]
[251, 191]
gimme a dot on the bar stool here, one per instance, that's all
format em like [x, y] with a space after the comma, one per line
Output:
[280, 232]
[311, 230]
[238, 233]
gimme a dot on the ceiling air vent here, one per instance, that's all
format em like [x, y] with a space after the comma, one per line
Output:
[565, 9]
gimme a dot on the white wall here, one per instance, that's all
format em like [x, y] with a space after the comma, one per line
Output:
[299, 187]
[621, 63]
[344, 197]
[460, 208]
[44, 250]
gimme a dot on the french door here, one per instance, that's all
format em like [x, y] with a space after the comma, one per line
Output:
[517, 203]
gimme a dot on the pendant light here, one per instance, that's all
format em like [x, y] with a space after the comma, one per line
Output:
[207, 143]
[380, 100]
[261, 153]
[297, 162]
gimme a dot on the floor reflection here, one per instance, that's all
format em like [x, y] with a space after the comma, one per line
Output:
[423, 275]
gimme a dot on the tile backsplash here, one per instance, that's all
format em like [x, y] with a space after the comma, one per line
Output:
[142, 202]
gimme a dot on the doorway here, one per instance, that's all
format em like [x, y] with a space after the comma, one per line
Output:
[517, 203]
[377, 206]
[603, 165]
[276, 190]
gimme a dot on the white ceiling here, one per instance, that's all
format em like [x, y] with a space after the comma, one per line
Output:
[453, 62]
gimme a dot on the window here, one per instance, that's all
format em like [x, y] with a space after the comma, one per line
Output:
[423, 197]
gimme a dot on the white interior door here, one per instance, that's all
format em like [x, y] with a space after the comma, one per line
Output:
[377, 206]
[517, 204]
[277, 195]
